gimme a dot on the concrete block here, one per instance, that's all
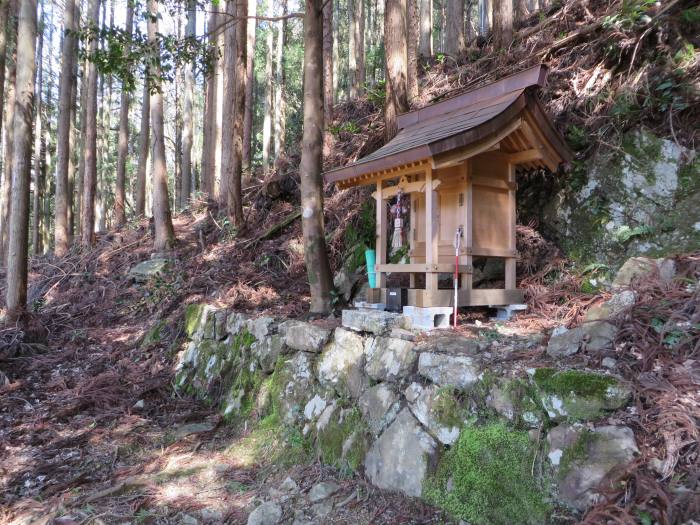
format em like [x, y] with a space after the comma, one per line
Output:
[428, 318]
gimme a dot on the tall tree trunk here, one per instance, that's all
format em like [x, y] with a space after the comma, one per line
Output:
[16, 291]
[4, 29]
[87, 221]
[356, 45]
[227, 137]
[426, 29]
[396, 64]
[235, 195]
[412, 49]
[454, 42]
[502, 23]
[315, 255]
[177, 190]
[249, 85]
[188, 116]
[165, 234]
[80, 183]
[521, 10]
[144, 141]
[280, 81]
[336, 52]
[10, 96]
[207, 175]
[66, 90]
[37, 196]
[220, 96]
[72, 141]
[269, 92]
[327, 71]
[123, 144]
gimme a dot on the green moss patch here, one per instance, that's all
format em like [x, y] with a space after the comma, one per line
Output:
[486, 478]
[342, 441]
[585, 384]
[448, 407]
[577, 452]
[193, 316]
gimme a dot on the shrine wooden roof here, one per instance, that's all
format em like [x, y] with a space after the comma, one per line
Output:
[505, 115]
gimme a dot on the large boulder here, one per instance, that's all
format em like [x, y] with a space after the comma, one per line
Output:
[636, 200]
[438, 410]
[459, 371]
[402, 457]
[390, 359]
[617, 304]
[379, 405]
[573, 394]
[306, 337]
[341, 365]
[585, 459]
[640, 268]
[595, 336]
[377, 322]
[267, 350]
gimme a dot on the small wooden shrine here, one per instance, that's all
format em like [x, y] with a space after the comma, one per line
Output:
[456, 163]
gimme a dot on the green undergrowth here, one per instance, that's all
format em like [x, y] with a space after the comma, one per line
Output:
[585, 384]
[486, 478]
[272, 443]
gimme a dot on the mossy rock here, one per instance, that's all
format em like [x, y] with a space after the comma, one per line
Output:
[485, 478]
[193, 316]
[342, 442]
[573, 394]
[153, 336]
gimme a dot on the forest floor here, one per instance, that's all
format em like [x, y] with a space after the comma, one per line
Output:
[91, 430]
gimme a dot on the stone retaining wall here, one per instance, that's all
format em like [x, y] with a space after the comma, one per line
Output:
[411, 415]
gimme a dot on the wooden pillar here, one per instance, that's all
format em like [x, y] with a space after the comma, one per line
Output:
[468, 239]
[431, 229]
[511, 261]
[380, 246]
[413, 234]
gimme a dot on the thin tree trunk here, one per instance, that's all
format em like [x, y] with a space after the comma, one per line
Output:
[412, 50]
[280, 81]
[356, 46]
[165, 234]
[521, 10]
[72, 141]
[10, 94]
[227, 137]
[502, 23]
[426, 29]
[63, 150]
[177, 200]
[80, 183]
[188, 117]
[144, 140]
[455, 44]
[269, 93]
[16, 291]
[123, 144]
[207, 175]
[336, 51]
[249, 85]
[315, 255]
[235, 195]
[4, 29]
[87, 222]
[220, 96]
[37, 196]
[396, 64]
[327, 65]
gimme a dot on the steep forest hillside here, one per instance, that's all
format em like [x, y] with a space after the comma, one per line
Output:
[168, 364]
